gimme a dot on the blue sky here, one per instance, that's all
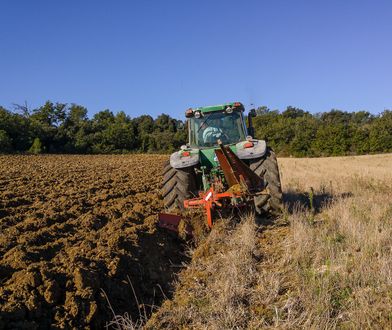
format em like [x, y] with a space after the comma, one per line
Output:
[149, 57]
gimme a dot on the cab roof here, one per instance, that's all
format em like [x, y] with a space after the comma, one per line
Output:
[220, 107]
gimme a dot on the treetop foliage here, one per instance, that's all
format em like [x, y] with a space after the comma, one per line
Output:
[63, 128]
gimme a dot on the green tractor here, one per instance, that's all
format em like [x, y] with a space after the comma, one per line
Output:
[223, 165]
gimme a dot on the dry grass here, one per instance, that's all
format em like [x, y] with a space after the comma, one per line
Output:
[215, 289]
[326, 264]
[341, 257]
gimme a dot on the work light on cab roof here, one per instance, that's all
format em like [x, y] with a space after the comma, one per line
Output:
[223, 167]
[200, 111]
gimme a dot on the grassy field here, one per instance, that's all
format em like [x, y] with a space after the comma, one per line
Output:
[79, 231]
[325, 264]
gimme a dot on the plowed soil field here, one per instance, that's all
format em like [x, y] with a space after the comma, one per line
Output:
[75, 229]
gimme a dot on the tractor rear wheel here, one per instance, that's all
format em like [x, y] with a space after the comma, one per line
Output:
[177, 186]
[268, 164]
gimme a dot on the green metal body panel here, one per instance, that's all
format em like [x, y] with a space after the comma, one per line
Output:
[207, 156]
[214, 108]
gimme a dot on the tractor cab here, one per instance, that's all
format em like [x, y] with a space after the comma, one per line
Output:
[213, 125]
[224, 122]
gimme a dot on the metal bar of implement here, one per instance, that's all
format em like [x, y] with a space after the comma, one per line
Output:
[234, 168]
[226, 168]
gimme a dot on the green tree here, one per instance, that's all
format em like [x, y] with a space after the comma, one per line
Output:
[292, 112]
[165, 123]
[45, 122]
[332, 140]
[74, 130]
[144, 127]
[17, 128]
[113, 133]
[380, 135]
[305, 130]
[360, 140]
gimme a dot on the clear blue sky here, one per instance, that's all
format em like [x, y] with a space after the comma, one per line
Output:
[165, 56]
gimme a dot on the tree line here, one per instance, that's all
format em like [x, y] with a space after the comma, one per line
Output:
[298, 133]
[62, 128]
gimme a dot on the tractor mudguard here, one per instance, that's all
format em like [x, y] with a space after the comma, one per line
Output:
[251, 149]
[187, 158]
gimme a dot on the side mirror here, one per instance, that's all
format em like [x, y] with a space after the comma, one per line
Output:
[251, 114]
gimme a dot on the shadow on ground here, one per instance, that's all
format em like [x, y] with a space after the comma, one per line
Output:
[148, 274]
[311, 200]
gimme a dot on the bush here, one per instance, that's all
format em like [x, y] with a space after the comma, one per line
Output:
[36, 147]
[5, 142]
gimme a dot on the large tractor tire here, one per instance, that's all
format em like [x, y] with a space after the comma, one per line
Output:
[177, 186]
[271, 203]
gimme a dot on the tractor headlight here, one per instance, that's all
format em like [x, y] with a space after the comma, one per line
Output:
[197, 114]
[229, 109]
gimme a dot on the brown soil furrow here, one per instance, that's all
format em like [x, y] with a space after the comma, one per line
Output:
[72, 227]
